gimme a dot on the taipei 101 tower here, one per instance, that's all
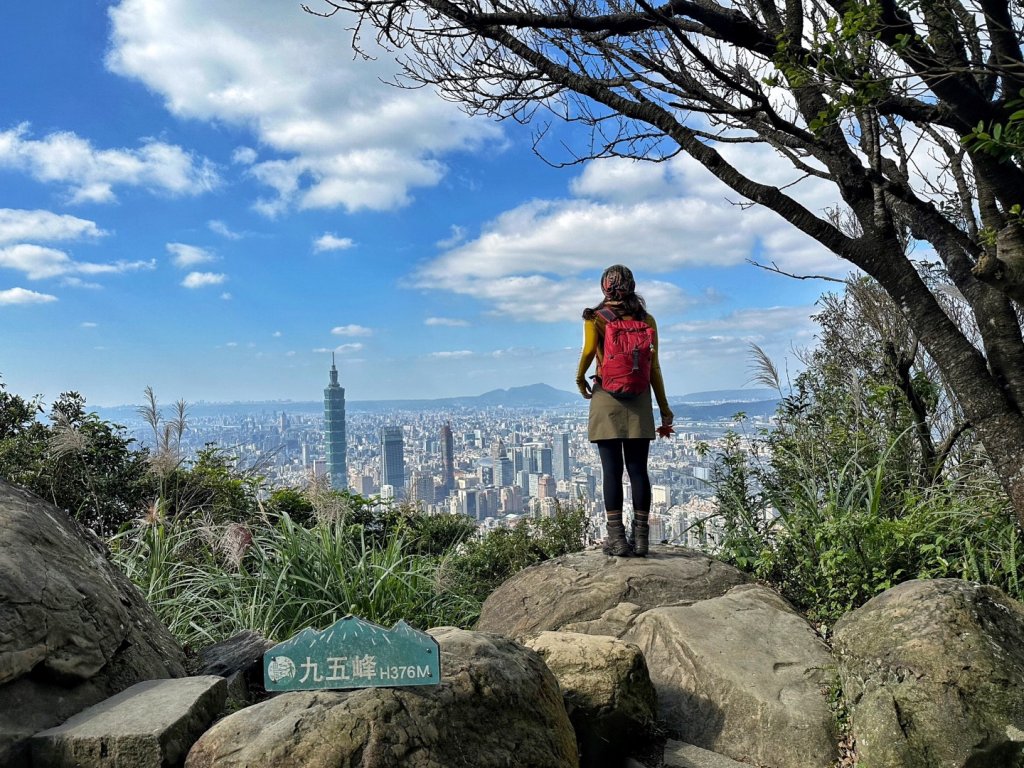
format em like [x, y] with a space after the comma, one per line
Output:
[334, 424]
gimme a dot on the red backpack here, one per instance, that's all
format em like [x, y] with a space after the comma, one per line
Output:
[628, 351]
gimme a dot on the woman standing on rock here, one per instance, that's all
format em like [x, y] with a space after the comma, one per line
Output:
[623, 337]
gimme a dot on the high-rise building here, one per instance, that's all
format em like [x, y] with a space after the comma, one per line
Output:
[503, 474]
[561, 463]
[485, 475]
[543, 465]
[447, 458]
[546, 487]
[392, 459]
[421, 487]
[497, 450]
[334, 425]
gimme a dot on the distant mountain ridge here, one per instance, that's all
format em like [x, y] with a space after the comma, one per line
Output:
[714, 404]
[729, 395]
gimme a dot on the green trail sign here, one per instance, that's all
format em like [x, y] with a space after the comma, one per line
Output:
[353, 653]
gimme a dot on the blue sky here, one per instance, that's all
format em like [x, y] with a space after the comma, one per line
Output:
[208, 197]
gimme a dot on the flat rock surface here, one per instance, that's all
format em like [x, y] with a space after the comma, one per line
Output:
[150, 725]
[588, 586]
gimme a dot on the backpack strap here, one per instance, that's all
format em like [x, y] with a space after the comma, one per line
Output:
[602, 317]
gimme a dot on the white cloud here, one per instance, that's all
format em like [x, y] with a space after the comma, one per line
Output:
[724, 342]
[188, 255]
[39, 262]
[351, 330]
[533, 260]
[88, 324]
[220, 228]
[341, 349]
[43, 226]
[622, 180]
[202, 279]
[336, 134]
[23, 296]
[90, 174]
[226, 296]
[231, 344]
[453, 355]
[516, 352]
[751, 323]
[244, 156]
[451, 322]
[276, 334]
[329, 242]
[77, 282]
[458, 234]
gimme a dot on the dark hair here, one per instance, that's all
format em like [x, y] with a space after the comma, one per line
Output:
[617, 281]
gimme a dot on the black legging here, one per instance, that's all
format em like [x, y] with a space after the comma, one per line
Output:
[633, 454]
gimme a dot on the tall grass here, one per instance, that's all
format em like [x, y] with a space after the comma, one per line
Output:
[274, 576]
[208, 581]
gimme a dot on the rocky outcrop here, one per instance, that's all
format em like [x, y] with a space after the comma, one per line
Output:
[933, 672]
[736, 670]
[73, 629]
[743, 675]
[586, 587]
[497, 705]
[607, 693]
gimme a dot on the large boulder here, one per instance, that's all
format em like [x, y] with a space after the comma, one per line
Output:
[239, 660]
[607, 691]
[575, 590]
[743, 675]
[933, 673]
[497, 705]
[73, 628]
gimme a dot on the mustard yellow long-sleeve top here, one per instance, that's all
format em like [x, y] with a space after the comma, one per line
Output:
[592, 349]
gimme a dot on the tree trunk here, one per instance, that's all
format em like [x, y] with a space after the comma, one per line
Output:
[990, 408]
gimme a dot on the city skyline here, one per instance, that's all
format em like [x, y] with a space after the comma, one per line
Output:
[187, 204]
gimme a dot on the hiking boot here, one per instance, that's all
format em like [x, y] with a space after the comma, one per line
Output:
[616, 544]
[638, 538]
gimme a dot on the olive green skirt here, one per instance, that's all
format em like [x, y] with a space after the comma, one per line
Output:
[615, 419]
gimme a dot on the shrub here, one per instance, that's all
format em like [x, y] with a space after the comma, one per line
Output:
[831, 542]
[208, 580]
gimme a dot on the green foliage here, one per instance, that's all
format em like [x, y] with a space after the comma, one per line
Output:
[79, 462]
[831, 542]
[209, 580]
[212, 486]
[849, 494]
[1004, 139]
[293, 503]
[481, 565]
